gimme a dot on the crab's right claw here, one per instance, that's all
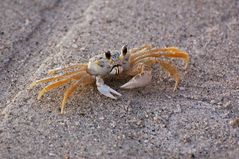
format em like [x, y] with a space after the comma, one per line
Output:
[104, 89]
[139, 80]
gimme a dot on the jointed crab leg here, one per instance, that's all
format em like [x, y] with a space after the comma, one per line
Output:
[153, 50]
[141, 49]
[45, 80]
[171, 52]
[182, 55]
[52, 86]
[67, 94]
[172, 71]
[167, 66]
[82, 77]
[60, 83]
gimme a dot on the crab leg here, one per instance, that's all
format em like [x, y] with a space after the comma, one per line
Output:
[52, 86]
[85, 79]
[167, 66]
[171, 52]
[141, 49]
[182, 55]
[53, 78]
[155, 50]
[105, 89]
[67, 94]
[172, 71]
[60, 83]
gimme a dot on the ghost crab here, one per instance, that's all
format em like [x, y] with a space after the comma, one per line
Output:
[136, 62]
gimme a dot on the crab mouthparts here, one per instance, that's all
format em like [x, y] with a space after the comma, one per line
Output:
[118, 65]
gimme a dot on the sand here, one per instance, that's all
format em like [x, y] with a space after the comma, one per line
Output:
[196, 121]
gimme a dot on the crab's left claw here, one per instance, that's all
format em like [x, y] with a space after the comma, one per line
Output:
[105, 89]
[139, 80]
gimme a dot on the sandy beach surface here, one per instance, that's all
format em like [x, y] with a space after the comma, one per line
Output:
[199, 120]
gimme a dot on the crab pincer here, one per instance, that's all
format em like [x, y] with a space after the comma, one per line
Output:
[140, 80]
[105, 89]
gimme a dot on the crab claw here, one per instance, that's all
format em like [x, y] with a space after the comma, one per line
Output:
[139, 80]
[105, 89]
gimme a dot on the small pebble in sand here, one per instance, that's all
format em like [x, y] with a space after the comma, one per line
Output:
[234, 123]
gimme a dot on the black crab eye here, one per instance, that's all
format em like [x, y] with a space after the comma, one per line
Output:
[124, 50]
[108, 55]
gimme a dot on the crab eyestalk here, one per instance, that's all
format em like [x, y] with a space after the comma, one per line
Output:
[124, 50]
[108, 55]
